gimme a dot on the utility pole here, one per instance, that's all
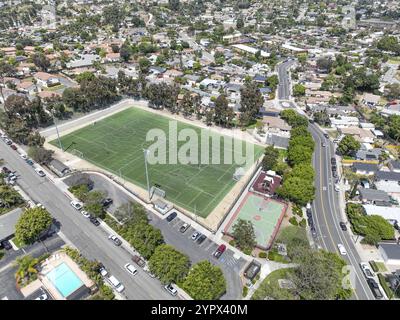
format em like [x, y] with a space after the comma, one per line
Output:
[58, 134]
[146, 152]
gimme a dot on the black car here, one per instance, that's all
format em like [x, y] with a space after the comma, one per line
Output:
[343, 226]
[172, 216]
[326, 135]
[107, 202]
[5, 170]
[333, 160]
[94, 221]
[334, 174]
[313, 232]
[201, 239]
[375, 288]
[334, 168]
[6, 245]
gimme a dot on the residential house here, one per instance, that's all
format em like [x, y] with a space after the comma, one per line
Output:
[276, 125]
[45, 79]
[367, 169]
[27, 87]
[390, 252]
[372, 196]
[388, 181]
[365, 154]
[394, 165]
[344, 122]
[361, 135]
[370, 100]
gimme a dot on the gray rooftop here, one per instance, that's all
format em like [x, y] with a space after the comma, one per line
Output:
[365, 166]
[374, 195]
[277, 141]
[8, 222]
[387, 175]
[392, 250]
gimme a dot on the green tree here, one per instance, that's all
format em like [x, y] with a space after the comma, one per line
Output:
[243, 232]
[205, 282]
[348, 146]
[322, 118]
[297, 190]
[40, 154]
[132, 212]
[27, 269]
[298, 154]
[169, 264]
[271, 157]
[31, 224]
[223, 114]
[299, 90]
[251, 100]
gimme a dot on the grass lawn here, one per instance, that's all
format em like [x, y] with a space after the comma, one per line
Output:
[270, 286]
[381, 266]
[117, 142]
[55, 88]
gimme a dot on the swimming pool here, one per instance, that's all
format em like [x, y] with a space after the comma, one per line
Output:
[64, 279]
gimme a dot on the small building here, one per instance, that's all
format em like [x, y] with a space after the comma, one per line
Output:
[8, 222]
[366, 169]
[161, 206]
[252, 270]
[58, 168]
[390, 252]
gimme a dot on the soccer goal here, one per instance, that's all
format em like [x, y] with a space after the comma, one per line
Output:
[239, 173]
[77, 153]
[157, 191]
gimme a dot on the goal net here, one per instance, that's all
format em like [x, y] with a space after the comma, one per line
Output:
[239, 173]
[77, 153]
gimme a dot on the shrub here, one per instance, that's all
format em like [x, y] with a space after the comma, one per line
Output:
[245, 291]
[293, 221]
[374, 266]
[232, 243]
[297, 210]
[303, 223]
[382, 281]
[247, 251]
[262, 255]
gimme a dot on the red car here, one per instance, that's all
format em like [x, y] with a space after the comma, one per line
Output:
[220, 250]
[14, 147]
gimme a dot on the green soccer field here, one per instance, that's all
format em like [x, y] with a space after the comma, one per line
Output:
[116, 144]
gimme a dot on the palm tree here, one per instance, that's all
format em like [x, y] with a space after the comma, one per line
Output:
[26, 268]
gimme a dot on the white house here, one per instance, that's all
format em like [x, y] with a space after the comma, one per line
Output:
[390, 252]
[45, 79]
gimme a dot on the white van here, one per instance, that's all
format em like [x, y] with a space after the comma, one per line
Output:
[117, 285]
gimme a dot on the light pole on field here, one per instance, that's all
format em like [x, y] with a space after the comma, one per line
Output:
[146, 152]
[58, 134]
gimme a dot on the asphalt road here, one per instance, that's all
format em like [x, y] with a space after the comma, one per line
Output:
[89, 239]
[326, 213]
[284, 82]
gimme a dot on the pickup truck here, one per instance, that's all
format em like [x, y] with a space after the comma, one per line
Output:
[139, 261]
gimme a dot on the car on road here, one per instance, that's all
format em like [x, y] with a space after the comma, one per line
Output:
[42, 297]
[333, 160]
[195, 235]
[336, 187]
[14, 147]
[334, 167]
[5, 170]
[201, 239]
[76, 205]
[184, 227]
[342, 249]
[367, 270]
[8, 141]
[102, 270]
[131, 269]
[334, 174]
[343, 226]
[23, 156]
[94, 221]
[314, 233]
[6, 245]
[326, 135]
[375, 288]
[171, 216]
[116, 284]
[85, 213]
[323, 144]
[220, 250]
[40, 172]
[106, 202]
[171, 290]
[115, 239]
[30, 162]
[139, 261]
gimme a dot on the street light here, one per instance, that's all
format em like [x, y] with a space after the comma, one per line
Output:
[146, 152]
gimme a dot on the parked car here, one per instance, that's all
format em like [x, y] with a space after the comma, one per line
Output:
[30, 162]
[24, 156]
[14, 147]
[342, 249]
[115, 239]
[326, 135]
[106, 202]
[171, 290]
[337, 188]
[117, 285]
[8, 141]
[375, 288]
[139, 261]
[220, 250]
[131, 269]
[201, 239]
[6, 245]
[171, 216]
[5, 170]
[195, 235]
[343, 226]
[76, 205]
[333, 160]
[94, 221]
[85, 213]
[334, 167]
[40, 172]
[184, 227]
[367, 270]
[102, 270]
[323, 144]
[334, 174]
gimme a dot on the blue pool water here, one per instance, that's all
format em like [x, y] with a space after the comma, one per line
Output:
[64, 279]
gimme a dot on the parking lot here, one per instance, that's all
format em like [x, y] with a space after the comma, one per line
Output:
[230, 266]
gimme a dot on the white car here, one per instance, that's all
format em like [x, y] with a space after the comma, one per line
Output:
[103, 271]
[171, 290]
[342, 249]
[85, 214]
[40, 172]
[76, 205]
[24, 156]
[367, 271]
[195, 235]
[337, 189]
[131, 269]
[42, 297]
[117, 285]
